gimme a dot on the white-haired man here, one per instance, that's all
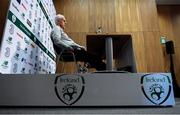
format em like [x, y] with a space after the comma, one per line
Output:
[60, 38]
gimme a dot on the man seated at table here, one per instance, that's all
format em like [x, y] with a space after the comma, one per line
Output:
[60, 38]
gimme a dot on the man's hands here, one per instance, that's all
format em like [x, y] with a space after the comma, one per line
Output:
[79, 47]
[70, 48]
[82, 47]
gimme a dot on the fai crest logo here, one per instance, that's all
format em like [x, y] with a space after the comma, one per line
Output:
[69, 88]
[156, 87]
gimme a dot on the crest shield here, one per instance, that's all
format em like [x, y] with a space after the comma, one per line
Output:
[156, 87]
[69, 88]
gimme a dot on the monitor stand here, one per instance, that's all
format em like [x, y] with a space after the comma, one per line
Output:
[109, 53]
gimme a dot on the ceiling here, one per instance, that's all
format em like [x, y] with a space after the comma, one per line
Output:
[168, 2]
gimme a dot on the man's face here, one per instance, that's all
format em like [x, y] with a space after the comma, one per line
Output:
[62, 23]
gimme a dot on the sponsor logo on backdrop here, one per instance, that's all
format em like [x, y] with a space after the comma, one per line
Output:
[24, 6]
[5, 64]
[31, 6]
[9, 40]
[33, 45]
[43, 70]
[30, 14]
[31, 54]
[49, 67]
[38, 50]
[19, 1]
[25, 50]
[13, 18]
[156, 87]
[30, 64]
[7, 52]
[23, 16]
[15, 7]
[35, 67]
[34, 39]
[23, 70]
[34, 29]
[29, 23]
[40, 68]
[26, 2]
[44, 63]
[16, 56]
[36, 58]
[18, 34]
[40, 62]
[18, 46]
[24, 60]
[26, 40]
[38, 34]
[36, 13]
[11, 29]
[69, 88]
[30, 71]
[15, 67]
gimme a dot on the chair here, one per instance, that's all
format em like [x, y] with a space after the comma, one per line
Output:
[65, 55]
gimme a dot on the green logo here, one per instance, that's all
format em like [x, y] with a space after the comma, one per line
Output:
[13, 18]
[163, 40]
[9, 40]
[5, 64]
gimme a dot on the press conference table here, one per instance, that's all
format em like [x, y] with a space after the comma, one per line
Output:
[106, 45]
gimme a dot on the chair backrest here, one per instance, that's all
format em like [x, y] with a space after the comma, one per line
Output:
[57, 49]
[63, 53]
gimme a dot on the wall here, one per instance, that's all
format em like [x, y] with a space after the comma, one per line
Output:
[169, 23]
[135, 17]
[3, 5]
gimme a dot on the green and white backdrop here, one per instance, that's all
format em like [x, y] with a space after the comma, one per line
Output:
[26, 45]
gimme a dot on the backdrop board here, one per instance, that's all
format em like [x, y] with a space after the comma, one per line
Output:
[26, 46]
[91, 89]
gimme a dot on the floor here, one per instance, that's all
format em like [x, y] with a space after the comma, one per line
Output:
[100, 110]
